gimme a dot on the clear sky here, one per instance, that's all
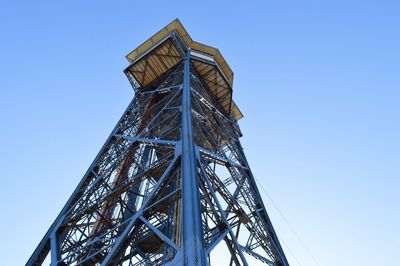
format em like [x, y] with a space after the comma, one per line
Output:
[318, 83]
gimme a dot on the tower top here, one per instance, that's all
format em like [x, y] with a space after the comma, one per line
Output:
[164, 50]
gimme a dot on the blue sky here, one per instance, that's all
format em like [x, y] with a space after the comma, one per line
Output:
[318, 83]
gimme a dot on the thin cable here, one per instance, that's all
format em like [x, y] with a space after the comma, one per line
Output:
[287, 222]
[290, 251]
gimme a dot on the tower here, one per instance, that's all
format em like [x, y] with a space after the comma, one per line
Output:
[171, 185]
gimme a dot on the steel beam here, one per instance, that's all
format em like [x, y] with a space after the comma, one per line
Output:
[193, 252]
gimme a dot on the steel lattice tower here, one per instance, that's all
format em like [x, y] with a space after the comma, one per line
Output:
[171, 185]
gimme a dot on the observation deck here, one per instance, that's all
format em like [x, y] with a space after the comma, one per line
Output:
[166, 49]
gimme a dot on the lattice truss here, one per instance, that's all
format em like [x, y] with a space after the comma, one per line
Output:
[127, 210]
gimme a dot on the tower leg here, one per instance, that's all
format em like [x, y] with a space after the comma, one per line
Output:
[193, 250]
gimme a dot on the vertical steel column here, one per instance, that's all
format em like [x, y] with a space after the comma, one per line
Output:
[193, 252]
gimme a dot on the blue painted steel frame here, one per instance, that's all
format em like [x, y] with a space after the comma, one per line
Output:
[33, 259]
[193, 250]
